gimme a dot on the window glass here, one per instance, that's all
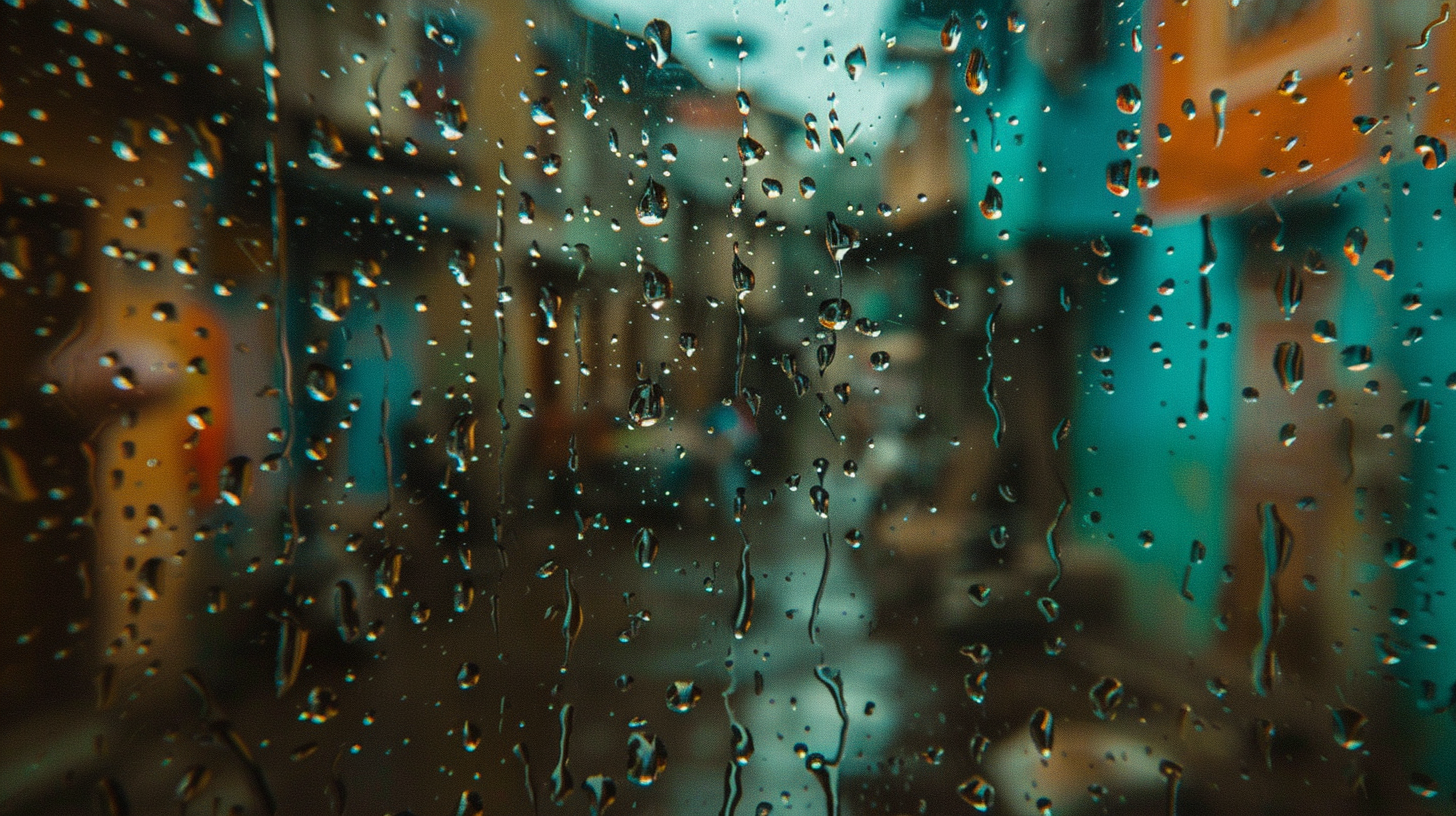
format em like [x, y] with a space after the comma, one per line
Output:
[462, 407]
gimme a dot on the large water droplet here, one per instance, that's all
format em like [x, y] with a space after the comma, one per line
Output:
[991, 203]
[978, 793]
[658, 35]
[1106, 696]
[834, 313]
[839, 238]
[346, 611]
[646, 406]
[1432, 151]
[235, 480]
[645, 545]
[325, 145]
[978, 72]
[646, 757]
[320, 382]
[1129, 98]
[1289, 365]
[656, 287]
[855, 62]
[950, 33]
[1348, 723]
[451, 120]
[750, 150]
[683, 696]
[1040, 725]
[652, 207]
[1119, 177]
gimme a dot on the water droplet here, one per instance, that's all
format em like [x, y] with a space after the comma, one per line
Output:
[656, 287]
[825, 355]
[1414, 416]
[601, 793]
[819, 499]
[192, 783]
[460, 446]
[470, 736]
[978, 793]
[1287, 434]
[645, 546]
[322, 706]
[387, 574]
[1289, 365]
[646, 757]
[1348, 723]
[950, 33]
[149, 579]
[652, 207]
[1423, 786]
[1357, 358]
[346, 611]
[437, 33]
[320, 382]
[451, 120]
[1040, 726]
[329, 297]
[235, 480]
[1432, 151]
[834, 314]
[743, 279]
[683, 696]
[1400, 553]
[1219, 98]
[750, 150]
[646, 406]
[991, 203]
[1119, 177]
[658, 35]
[855, 62]
[1355, 241]
[326, 145]
[1289, 291]
[1129, 98]
[292, 646]
[839, 238]
[978, 72]
[1106, 696]
[543, 113]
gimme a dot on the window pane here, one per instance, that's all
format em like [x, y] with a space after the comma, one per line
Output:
[439, 406]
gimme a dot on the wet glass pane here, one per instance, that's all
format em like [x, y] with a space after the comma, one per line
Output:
[462, 407]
